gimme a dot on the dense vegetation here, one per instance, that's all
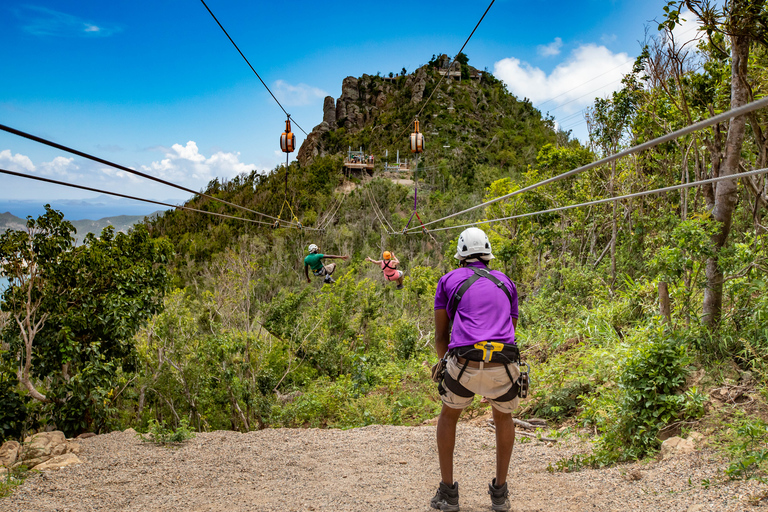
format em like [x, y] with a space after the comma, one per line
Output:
[632, 312]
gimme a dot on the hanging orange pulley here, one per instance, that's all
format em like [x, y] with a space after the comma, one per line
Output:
[417, 140]
[287, 139]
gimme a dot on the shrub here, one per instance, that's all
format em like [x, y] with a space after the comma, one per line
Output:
[159, 433]
[647, 398]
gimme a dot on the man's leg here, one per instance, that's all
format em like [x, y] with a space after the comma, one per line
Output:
[446, 441]
[505, 441]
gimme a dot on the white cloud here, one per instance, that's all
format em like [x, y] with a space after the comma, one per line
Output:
[59, 166]
[589, 71]
[186, 165]
[41, 21]
[297, 95]
[551, 49]
[17, 162]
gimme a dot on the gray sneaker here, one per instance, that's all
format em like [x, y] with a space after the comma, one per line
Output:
[446, 498]
[499, 497]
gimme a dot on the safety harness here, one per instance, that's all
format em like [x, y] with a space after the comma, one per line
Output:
[485, 351]
[386, 265]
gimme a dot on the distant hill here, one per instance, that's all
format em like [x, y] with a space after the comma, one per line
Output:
[121, 223]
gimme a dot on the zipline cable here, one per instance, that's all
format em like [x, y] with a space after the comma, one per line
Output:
[376, 203]
[330, 219]
[735, 112]
[249, 64]
[324, 216]
[376, 212]
[129, 170]
[81, 187]
[613, 199]
[448, 71]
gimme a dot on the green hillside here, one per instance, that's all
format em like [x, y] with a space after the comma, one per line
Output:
[243, 342]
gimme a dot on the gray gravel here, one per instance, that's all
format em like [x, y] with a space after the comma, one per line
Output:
[378, 468]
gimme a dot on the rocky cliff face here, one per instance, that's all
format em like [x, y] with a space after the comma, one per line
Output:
[361, 100]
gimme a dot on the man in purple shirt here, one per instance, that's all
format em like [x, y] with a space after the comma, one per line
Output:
[475, 320]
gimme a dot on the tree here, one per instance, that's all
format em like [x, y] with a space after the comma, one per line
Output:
[742, 23]
[29, 259]
[76, 311]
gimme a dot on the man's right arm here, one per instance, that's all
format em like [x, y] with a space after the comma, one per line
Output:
[442, 332]
[306, 273]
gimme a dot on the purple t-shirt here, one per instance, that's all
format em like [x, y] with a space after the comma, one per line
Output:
[484, 313]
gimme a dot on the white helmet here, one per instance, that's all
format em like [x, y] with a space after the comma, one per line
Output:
[473, 242]
[312, 248]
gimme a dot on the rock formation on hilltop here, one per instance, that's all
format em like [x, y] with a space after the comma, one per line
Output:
[361, 100]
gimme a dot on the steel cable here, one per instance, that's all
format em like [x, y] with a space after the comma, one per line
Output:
[449, 70]
[131, 171]
[613, 199]
[744, 109]
[81, 187]
[376, 203]
[249, 64]
[375, 212]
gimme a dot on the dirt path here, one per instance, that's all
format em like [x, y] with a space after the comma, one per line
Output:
[377, 468]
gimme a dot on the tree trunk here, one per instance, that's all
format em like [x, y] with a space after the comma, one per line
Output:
[726, 193]
[665, 309]
[613, 223]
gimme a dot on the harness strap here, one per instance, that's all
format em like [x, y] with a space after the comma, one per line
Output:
[454, 385]
[478, 273]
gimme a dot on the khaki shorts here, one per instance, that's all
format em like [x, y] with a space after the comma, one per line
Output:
[326, 270]
[488, 382]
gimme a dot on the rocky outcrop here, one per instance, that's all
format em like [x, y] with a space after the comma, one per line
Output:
[50, 448]
[9, 452]
[360, 101]
[68, 459]
[329, 111]
[43, 446]
[418, 84]
[676, 446]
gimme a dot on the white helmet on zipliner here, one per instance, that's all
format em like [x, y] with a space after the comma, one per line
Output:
[473, 243]
[312, 248]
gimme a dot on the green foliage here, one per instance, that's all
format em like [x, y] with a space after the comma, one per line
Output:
[562, 402]
[159, 433]
[13, 408]
[12, 479]
[86, 303]
[647, 399]
[748, 452]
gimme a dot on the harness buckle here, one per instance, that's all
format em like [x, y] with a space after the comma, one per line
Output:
[488, 348]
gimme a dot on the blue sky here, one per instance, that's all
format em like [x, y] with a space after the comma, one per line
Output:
[156, 86]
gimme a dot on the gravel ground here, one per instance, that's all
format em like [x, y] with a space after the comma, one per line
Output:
[378, 468]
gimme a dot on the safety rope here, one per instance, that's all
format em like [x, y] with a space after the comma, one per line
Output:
[415, 200]
[735, 112]
[126, 169]
[91, 189]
